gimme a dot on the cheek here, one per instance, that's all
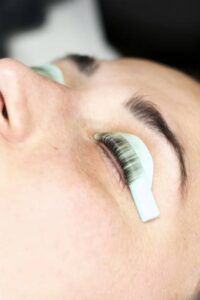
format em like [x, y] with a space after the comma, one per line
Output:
[61, 238]
[65, 236]
[96, 242]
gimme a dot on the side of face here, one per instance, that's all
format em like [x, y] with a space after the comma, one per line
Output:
[69, 231]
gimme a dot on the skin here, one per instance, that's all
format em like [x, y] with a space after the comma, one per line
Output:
[68, 229]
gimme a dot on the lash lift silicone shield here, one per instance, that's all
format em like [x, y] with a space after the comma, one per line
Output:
[138, 165]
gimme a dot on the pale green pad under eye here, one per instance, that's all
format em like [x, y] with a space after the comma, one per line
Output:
[141, 187]
[51, 71]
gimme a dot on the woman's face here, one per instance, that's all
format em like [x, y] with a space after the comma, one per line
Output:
[68, 229]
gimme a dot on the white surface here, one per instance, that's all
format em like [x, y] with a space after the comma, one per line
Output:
[70, 27]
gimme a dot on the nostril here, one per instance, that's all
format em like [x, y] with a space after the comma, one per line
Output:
[4, 112]
[3, 107]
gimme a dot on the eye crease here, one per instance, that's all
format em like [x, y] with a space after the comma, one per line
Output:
[137, 165]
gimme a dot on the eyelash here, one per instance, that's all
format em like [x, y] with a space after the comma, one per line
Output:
[124, 155]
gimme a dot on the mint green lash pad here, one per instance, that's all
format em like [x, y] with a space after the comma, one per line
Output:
[51, 71]
[143, 154]
[141, 187]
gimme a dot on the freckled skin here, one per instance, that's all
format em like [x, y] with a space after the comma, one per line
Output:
[67, 228]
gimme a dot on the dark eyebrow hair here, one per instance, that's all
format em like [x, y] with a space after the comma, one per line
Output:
[147, 111]
[87, 65]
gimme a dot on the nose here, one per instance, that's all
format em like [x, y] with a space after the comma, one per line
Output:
[25, 98]
[15, 118]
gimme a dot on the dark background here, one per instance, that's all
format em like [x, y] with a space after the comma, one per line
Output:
[166, 31]
[20, 15]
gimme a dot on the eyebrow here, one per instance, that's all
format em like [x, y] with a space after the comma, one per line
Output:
[147, 112]
[86, 64]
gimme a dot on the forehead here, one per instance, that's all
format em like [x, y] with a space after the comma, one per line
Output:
[166, 85]
[143, 68]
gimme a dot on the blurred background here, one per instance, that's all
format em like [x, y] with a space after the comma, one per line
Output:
[37, 31]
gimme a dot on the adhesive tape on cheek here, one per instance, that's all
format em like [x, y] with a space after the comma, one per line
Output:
[51, 71]
[141, 187]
